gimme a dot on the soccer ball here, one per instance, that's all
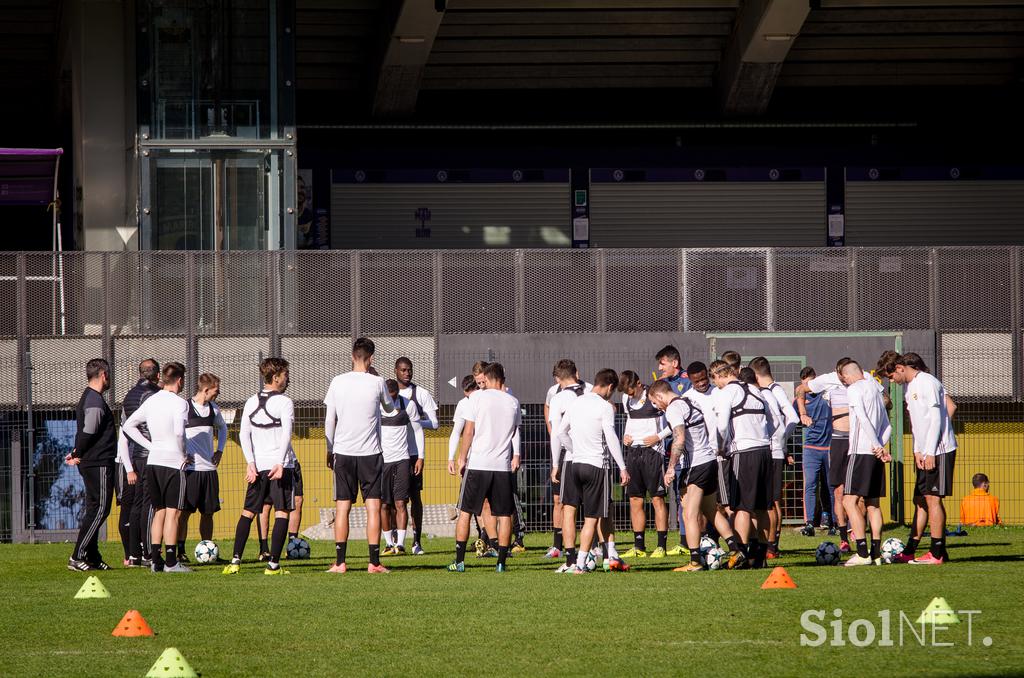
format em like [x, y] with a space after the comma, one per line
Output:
[707, 543]
[206, 551]
[590, 564]
[298, 548]
[827, 554]
[892, 548]
[714, 558]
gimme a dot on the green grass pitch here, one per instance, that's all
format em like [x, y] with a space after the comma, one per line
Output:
[420, 620]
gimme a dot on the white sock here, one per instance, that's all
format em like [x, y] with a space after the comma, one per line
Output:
[581, 559]
[612, 553]
[401, 538]
[388, 541]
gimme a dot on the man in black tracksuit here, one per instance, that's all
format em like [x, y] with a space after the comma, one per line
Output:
[141, 512]
[95, 449]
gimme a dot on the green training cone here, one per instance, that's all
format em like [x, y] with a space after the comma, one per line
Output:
[93, 588]
[938, 612]
[171, 665]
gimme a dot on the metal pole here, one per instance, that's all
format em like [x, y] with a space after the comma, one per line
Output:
[520, 273]
[31, 449]
[274, 303]
[684, 293]
[602, 291]
[191, 339]
[354, 281]
[770, 310]
[851, 288]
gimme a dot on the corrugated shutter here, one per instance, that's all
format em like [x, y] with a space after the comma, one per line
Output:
[934, 212]
[374, 216]
[691, 214]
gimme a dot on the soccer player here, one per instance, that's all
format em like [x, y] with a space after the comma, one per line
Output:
[352, 427]
[771, 390]
[458, 424]
[141, 514]
[568, 387]
[266, 438]
[202, 484]
[744, 431]
[164, 414]
[692, 449]
[931, 419]
[124, 496]
[733, 358]
[426, 419]
[817, 438]
[865, 469]
[93, 454]
[488, 457]
[589, 423]
[700, 393]
[395, 429]
[670, 369]
[643, 439]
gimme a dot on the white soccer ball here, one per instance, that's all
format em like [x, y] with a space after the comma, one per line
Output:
[891, 548]
[298, 548]
[714, 558]
[206, 552]
[827, 554]
[707, 543]
[590, 564]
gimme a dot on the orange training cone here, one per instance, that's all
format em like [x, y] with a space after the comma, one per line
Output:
[132, 625]
[779, 579]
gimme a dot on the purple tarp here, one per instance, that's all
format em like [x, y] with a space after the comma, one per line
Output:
[27, 175]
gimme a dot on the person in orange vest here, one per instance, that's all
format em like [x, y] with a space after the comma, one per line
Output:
[979, 507]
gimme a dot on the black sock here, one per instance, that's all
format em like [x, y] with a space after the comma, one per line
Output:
[604, 550]
[415, 537]
[570, 556]
[172, 556]
[339, 552]
[556, 541]
[374, 554]
[733, 544]
[695, 557]
[844, 533]
[876, 548]
[662, 539]
[493, 543]
[264, 546]
[277, 538]
[502, 554]
[712, 532]
[181, 546]
[638, 541]
[155, 555]
[460, 551]
[862, 548]
[293, 535]
[911, 547]
[242, 535]
[745, 549]
[938, 548]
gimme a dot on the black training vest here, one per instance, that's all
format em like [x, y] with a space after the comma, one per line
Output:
[742, 410]
[196, 420]
[695, 417]
[401, 418]
[647, 410]
[263, 397]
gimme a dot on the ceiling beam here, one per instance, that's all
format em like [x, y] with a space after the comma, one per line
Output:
[412, 28]
[764, 32]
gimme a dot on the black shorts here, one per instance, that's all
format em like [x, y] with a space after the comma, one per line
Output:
[497, 487]
[939, 481]
[567, 489]
[778, 467]
[865, 476]
[752, 480]
[725, 480]
[594, 488]
[415, 481]
[704, 476]
[646, 467]
[296, 483]
[353, 475]
[395, 480]
[120, 483]
[166, 487]
[202, 492]
[281, 492]
[838, 451]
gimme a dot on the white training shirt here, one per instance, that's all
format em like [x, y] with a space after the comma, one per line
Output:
[638, 429]
[932, 427]
[707, 406]
[777, 423]
[268, 447]
[587, 388]
[354, 401]
[789, 418]
[458, 423]
[496, 417]
[869, 423]
[164, 413]
[589, 423]
[426, 418]
[743, 432]
[557, 408]
[199, 439]
[394, 440]
[697, 449]
[830, 384]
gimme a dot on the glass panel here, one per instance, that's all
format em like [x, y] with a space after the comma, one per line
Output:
[183, 204]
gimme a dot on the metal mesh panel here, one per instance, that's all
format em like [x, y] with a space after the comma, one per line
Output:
[642, 290]
[231, 291]
[313, 362]
[420, 350]
[9, 393]
[478, 291]
[977, 365]
[973, 288]
[130, 351]
[9, 291]
[236, 360]
[124, 290]
[560, 291]
[65, 293]
[726, 290]
[892, 289]
[315, 293]
[58, 368]
[396, 292]
[811, 288]
[164, 282]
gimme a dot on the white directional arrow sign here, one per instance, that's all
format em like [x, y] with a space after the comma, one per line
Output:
[453, 381]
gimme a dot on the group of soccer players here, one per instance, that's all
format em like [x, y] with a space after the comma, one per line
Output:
[715, 433]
